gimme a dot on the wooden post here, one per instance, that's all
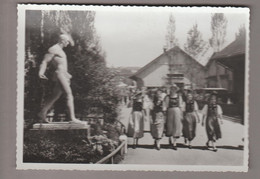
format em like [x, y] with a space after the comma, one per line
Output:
[112, 160]
[219, 83]
[122, 151]
[123, 138]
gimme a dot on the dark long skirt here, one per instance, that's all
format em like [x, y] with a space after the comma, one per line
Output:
[189, 126]
[213, 128]
[174, 122]
[157, 125]
[137, 129]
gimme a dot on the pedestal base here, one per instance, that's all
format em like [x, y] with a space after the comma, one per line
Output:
[61, 126]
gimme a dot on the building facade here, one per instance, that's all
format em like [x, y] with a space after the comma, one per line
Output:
[226, 69]
[229, 71]
[173, 66]
[218, 75]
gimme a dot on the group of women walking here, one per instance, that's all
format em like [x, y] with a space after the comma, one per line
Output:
[176, 115]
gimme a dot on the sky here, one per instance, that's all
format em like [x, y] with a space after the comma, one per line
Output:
[134, 37]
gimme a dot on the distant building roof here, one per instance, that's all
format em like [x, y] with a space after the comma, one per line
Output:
[140, 71]
[205, 55]
[237, 47]
[146, 67]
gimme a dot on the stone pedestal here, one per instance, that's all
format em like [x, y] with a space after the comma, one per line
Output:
[55, 126]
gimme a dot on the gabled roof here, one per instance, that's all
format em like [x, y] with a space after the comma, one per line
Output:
[237, 47]
[206, 54]
[140, 71]
[146, 66]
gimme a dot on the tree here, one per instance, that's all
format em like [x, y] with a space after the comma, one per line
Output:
[171, 40]
[218, 29]
[194, 44]
[93, 84]
[241, 32]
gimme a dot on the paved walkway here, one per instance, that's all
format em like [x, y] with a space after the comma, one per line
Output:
[230, 150]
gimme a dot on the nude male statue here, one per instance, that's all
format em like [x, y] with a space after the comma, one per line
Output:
[61, 77]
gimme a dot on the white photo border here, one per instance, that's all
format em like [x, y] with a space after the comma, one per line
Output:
[20, 165]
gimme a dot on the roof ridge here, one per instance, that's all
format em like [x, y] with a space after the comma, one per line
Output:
[164, 53]
[238, 44]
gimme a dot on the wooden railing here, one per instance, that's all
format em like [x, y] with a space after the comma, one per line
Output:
[121, 149]
[110, 158]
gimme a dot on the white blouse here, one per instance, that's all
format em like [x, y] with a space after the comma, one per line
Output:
[204, 110]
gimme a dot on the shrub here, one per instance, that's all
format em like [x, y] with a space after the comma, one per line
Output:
[65, 147]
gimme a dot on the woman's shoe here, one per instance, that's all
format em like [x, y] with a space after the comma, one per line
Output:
[190, 147]
[185, 140]
[170, 141]
[174, 147]
[207, 144]
[215, 149]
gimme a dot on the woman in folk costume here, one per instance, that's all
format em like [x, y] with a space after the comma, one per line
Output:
[158, 119]
[136, 122]
[190, 118]
[212, 113]
[147, 106]
[174, 116]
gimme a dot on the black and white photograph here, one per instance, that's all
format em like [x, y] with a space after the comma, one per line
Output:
[132, 88]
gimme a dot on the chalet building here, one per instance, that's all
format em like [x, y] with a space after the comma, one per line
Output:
[227, 70]
[172, 66]
[218, 75]
[233, 57]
